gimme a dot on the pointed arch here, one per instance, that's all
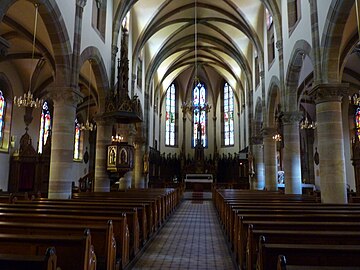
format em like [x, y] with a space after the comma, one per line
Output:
[101, 77]
[301, 49]
[272, 101]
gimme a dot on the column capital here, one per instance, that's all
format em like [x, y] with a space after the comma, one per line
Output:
[256, 140]
[139, 142]
[114, 50]
[81, 3]
[293, 117]
[65, 95]
[268, 132]
[262, 74]
[329, 92]
[279, 44]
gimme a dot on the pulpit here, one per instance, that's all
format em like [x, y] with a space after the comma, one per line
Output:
[120, 159]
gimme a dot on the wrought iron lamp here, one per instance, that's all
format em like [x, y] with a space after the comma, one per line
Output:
[28, 99]
[88, 125]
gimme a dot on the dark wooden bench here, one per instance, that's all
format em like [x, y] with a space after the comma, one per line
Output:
[321, 236]
[131, 217]
[20, 262]
[141, 208]
[73, 252]
[283, 265]
[102, 237]
[241, 239]
[311, 254]
[120, 227]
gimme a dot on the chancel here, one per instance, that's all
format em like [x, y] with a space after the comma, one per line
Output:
[193, 134]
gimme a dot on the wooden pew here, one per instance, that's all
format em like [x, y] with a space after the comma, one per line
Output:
[242, 232]
[102, 237]
[20, 262]
[73, 252]
[131, 217]
[154, 223]
[320, 236]
[142, 209]
[283, 265]
[311, 254]
[120, 227]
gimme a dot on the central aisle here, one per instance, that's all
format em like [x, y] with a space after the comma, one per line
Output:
[191, 239]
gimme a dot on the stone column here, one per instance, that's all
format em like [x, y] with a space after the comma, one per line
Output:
[315, 40]
[80, 4]
[331, 142]
[103, 138]
[138, 163]
[291, 157]
[258, 162]
[270, 159]
[62, 146]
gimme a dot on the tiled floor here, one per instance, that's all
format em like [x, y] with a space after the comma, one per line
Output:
[191, 239]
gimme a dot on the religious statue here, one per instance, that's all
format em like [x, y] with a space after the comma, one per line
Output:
[198, 133]
[251, 164]
[112, 156]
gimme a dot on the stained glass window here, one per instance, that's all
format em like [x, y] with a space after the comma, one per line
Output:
[357, 123]
[2, 116]
[77, 140]
[170, 116]
[228, 103]
[199, 116]
[45, 126]
[269, 19]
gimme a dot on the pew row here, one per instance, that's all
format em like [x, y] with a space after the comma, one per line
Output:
[20, 262]
[73, 252]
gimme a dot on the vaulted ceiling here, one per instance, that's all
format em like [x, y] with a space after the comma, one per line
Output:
[178, 36]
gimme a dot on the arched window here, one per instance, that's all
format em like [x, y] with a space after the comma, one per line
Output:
[77, 140]
[199, 115]
[228, 115]
[357, 123]
[170, 120]
[45, 126]
[2, 117]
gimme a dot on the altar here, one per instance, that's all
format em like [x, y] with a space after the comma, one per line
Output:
[198, 181]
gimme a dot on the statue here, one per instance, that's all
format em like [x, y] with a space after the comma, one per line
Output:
[251, 164]
[198, 133]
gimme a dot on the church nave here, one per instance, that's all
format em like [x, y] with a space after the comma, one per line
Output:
[191, 239]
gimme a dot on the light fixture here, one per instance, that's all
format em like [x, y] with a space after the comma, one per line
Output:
[190, 106]
[355, 99]
[196, 78]
[305, 123]
[28, 99]
[88, 125]
[277, 137]
[117, 138]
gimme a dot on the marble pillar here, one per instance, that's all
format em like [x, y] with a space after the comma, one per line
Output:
[62, 145]
[271, 183]
[103, 138]
[291, 152]
[331, 142]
